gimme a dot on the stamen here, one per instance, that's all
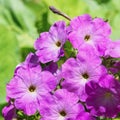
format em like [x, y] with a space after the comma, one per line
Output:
[85, 75]
[63, 113]
[87, 37]
[108, 95]
[58, 43]
[32, 88]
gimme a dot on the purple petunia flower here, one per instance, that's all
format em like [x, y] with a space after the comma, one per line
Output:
[63, 105]
[9, 112]
[31, 60]
[113, 49]
[84, 30]
[104, 97]
[49, 44]
[77, 74]
[28, 86]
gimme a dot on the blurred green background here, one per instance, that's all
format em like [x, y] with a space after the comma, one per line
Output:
[21, 22]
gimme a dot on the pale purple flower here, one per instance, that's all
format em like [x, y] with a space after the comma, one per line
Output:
[104, 97]
[9, 112]
[63, 105]
[77, 74]
[49, 45]
[88, 31]
[113, 49]
[28, 86]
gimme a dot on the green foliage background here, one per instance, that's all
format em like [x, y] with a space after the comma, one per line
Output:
[21, 22]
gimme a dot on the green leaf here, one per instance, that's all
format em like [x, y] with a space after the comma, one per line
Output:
[5, 17]
[40, 9]
[9, 52]
[18, 17]
[20, 14]
[102, 1]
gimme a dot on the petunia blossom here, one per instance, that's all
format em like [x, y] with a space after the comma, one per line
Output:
[77, 74]
[84, 30]
[32, 60]
[113, 49]
[28, 86]
[63, 105]
[9, 112]
[49, 45]
[103, 97]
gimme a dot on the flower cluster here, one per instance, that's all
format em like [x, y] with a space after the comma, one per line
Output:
[73, 75]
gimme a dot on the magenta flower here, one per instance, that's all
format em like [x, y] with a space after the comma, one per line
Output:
[31, 60]
[113, 49]
[9, 112]
[49, 44]
[104, 97]
[63, 106]
[77, 74]
[28, 86]
[88, 31]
